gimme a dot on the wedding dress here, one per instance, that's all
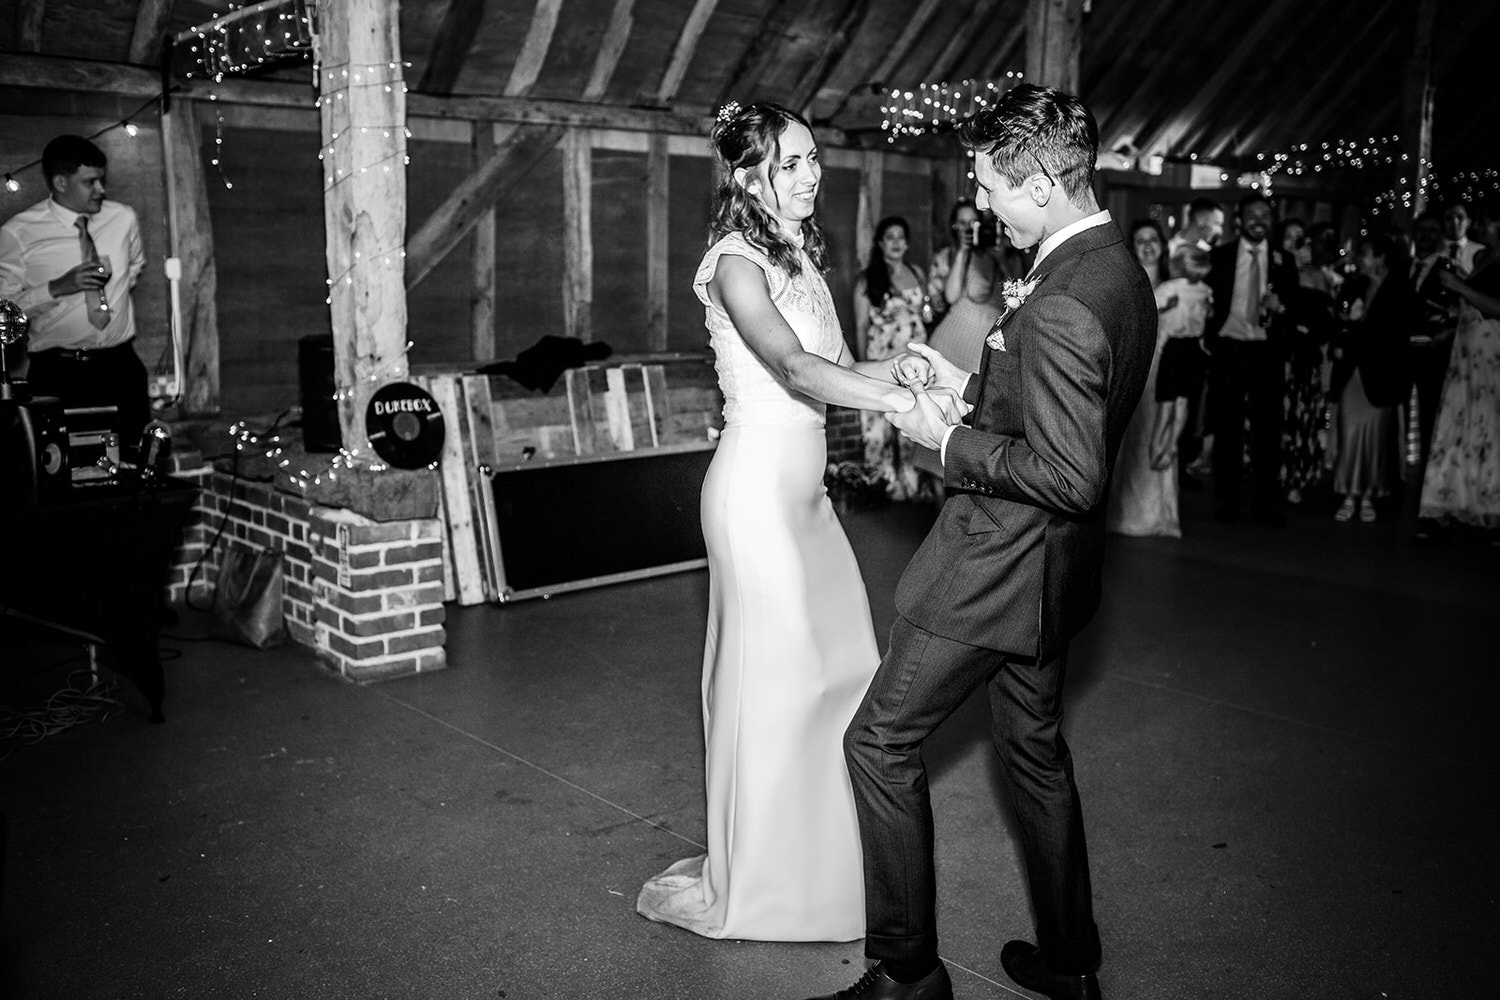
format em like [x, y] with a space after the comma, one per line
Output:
[789, 653]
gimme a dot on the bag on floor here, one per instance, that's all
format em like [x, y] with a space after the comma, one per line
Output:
[247, 597]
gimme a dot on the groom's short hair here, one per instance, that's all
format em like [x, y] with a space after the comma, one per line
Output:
[1031, 127]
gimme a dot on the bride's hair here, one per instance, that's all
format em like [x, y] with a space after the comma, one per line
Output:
[748, 137]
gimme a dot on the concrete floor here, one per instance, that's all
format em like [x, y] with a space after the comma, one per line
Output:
[1286, 743]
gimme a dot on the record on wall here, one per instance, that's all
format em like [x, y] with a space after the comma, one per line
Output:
[404, 425]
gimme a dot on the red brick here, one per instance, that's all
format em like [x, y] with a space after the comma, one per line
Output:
[355, 650]
[433, 616]
[378, 625]
[365, 559]
[413, 553]
[382, 580]
[425, 639]
[354, 604]
[430, 573]
[370, 534]
[412, 597]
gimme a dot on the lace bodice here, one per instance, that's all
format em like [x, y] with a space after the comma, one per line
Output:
[752, 395]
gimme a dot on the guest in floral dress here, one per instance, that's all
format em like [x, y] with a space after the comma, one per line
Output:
[888, 301]
[1462, 482]
[1309, 322]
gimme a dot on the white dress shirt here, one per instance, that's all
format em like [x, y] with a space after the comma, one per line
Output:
[1243, 322]
[1463, 260]
[1048, 245]
[41, 243]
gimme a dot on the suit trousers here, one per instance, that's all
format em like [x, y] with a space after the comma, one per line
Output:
[112, 376]
[1247, 376]
[921, 681]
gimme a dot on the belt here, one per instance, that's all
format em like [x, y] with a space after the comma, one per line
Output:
[78, 353]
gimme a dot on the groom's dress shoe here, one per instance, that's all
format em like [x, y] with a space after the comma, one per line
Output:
[1024, 963]
[876, 985]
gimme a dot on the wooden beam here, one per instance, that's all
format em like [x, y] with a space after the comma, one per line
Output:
[447, 226]
[1139, 101]
[1005, 52]
[1337, 105]
[1181, 129]
[658, 207]
[682, 52]
[29, 17]
[1054, 33]
[534, 50]
[482, 260]
[450, 50]
[762, 52]
[896, 54]
[616, 36]
[190, 238]
[834, 46]
[578, 241]
[151, 19]
[1418, 98]
[364, 203]
[867, 209]
[960, 40]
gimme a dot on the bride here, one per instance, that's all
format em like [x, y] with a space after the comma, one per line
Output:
[790, 647]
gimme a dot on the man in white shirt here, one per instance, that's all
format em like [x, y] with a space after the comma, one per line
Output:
[1461, 250]
[1205, 226]
[70, 261]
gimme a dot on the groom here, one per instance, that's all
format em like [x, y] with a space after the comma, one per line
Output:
[1011, 569]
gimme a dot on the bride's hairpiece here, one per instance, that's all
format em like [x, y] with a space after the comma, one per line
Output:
[729, 111]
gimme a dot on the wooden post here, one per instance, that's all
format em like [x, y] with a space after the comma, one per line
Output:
[578, 241]
[482, 261]
[191, 238]
[867, 211]
[658, 185]
[363, 102]
[1416, 119]
[1054, 34]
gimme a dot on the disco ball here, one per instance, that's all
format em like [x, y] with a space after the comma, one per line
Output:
[13, 323]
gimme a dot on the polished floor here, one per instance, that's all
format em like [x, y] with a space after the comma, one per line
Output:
[1286, 742]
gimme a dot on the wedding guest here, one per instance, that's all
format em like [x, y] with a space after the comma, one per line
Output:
[1183, 303]
[1204, 228]
[1460, 250]
[1250, 280]
[1143, 494]
[1430, 341]
[790, 647]
[888, 316]
[1462, 480]
[1308, 324]
[70, 261]
[1369, 379]
[972, 281]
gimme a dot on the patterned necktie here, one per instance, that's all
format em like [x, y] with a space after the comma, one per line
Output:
[98, 304]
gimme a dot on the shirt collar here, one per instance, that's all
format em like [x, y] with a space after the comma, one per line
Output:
[1066, 233]
[67, 215]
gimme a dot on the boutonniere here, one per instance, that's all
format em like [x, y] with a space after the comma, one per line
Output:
[1014, 291]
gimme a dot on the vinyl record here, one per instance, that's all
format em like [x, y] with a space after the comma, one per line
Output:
[404, 425]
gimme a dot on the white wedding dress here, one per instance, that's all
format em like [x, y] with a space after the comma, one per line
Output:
[789, 654]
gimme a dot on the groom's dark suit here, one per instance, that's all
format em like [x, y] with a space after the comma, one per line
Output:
[1006, 577]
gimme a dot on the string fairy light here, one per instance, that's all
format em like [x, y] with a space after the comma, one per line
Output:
[938, 107]
[126, 124]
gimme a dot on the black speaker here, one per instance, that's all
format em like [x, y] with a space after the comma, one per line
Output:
[34, 467]
[320, 411]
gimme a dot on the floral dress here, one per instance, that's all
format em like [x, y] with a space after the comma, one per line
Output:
[895, 323]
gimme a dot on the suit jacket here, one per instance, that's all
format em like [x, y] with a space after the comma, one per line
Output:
[1375, 345]
[1281, 278]
[1013, 562]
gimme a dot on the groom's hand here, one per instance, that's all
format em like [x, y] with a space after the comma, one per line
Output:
[926, 422]
[945, 374]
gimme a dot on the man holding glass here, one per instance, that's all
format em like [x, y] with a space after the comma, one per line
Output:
[70, 261]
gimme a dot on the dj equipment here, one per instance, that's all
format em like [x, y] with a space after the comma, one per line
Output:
[404, 425]
[34, 456]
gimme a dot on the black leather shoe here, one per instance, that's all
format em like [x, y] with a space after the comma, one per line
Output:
[1024, 963]
[876, 985]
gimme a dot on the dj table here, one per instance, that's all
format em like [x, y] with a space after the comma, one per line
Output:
[97, 561]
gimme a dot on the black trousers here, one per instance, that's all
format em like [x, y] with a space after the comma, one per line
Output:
[1247, 377]
[113, 376]
[1428, 366]
[921, 681]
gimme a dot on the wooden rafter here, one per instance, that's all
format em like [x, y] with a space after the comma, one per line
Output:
[534, 50]
[151, 18]
[1138, 25]
[682, 52]
[1338, 105]
[450, 50]
[616, 35]
[1005, 53]
[1183, 127]
[833, 47]
[29, 17]
[446, 227]
[762, 52]
[1134, 110]
[943, 65]
[896, 54]
[1317, 91]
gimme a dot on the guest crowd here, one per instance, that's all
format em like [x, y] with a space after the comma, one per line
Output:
[1293, 366]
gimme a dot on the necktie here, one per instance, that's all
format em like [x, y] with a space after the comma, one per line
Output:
[1252, 289]
[98, 304]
